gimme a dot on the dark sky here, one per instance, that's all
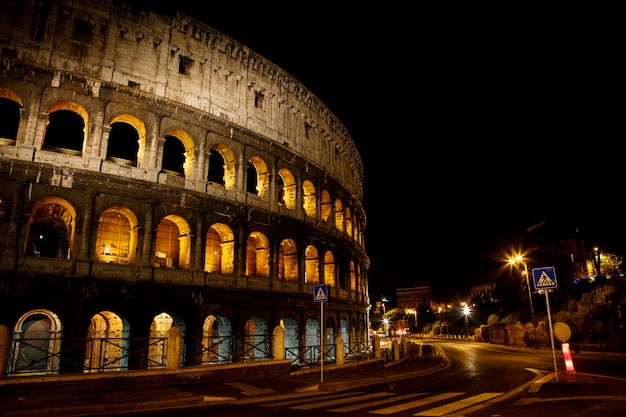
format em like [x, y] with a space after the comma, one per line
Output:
[472, 123]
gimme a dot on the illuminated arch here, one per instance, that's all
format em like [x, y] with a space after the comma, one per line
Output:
[36, 344]
[312, 265]
[349, 221]
[116, 238]
[159, 334]
[353, 277]
[258, 177]
[339, 215]
[257, 255]
[11, 108]
[292, 339]
[329, 268]
[225, 174]
[51, 229]
[189, 150]
[140, 128]
[219, 249]
[107, 347]
[286, 189]
[173, 243]
[256, 339]
[64, 138]
[309, 203]
[216, 340]
[326, 205]
[288, 260]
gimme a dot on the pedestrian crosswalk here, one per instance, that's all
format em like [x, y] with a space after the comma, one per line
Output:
[381, 403]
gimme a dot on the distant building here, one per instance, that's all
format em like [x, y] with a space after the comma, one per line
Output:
[413, 296]
[482, 292]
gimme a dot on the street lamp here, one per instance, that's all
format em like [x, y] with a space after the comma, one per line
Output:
[386, 326]
[414, 312]
[512, 261]
[466, 311]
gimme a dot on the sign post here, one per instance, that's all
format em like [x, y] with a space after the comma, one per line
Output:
[320, 295]
[545, 279]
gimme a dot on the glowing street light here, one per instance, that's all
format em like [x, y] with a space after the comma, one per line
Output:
[414, 312]
[466, 311]
[520, 259]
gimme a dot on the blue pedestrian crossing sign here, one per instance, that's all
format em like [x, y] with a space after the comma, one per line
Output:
[320, 293]
[544, 278]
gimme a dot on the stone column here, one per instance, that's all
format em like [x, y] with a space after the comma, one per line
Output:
[278, 346]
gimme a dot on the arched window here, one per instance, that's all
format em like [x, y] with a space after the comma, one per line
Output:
[108, 342]
[173, 243]
[339, 215]
[123, 144]
[327, 206]
[10, 121]
[65, 132]
[257, 181]
[216, 167]
[312, 265]
[36, 344]
[173, 156]
[329, 268]
[220, 249]
[257, 255]
[309, 202]
[116, 238]
[288, 260]
[51, 229]
[286, 189]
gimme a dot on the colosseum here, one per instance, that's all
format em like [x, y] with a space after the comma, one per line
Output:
[158, 178]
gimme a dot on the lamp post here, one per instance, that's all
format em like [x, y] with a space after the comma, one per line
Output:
[414, 312]
[466, 311]
[512, 261]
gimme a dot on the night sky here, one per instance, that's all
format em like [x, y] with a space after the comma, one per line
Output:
[494, 119]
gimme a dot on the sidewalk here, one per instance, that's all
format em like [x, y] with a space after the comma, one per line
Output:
[80, 398]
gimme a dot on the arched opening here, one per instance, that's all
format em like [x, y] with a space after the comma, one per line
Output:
[312, 265]
[329, 269]
[286, 189]
[312, 337]
[257, 255]
[256, 339]
[173, 243]
[220, 249]
[36, 344]
[159, 333]
[288, 260]
[309, 203]
[173, 156]
[217, 167]
[326, 206]
[123, 146]
[116, 238]
[216, 340]
[345, 336]
[329, 342]
[292, 344]
[257, 179]
[65, 129]
[11, 111]
[51, 229]
[339, 215]
[107, 347]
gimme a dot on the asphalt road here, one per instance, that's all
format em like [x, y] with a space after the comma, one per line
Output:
[479, 380]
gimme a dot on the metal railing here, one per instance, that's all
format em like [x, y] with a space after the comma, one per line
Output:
[49, 356]
[54, 355]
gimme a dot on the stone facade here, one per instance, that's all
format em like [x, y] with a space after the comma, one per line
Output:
[155, 174]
